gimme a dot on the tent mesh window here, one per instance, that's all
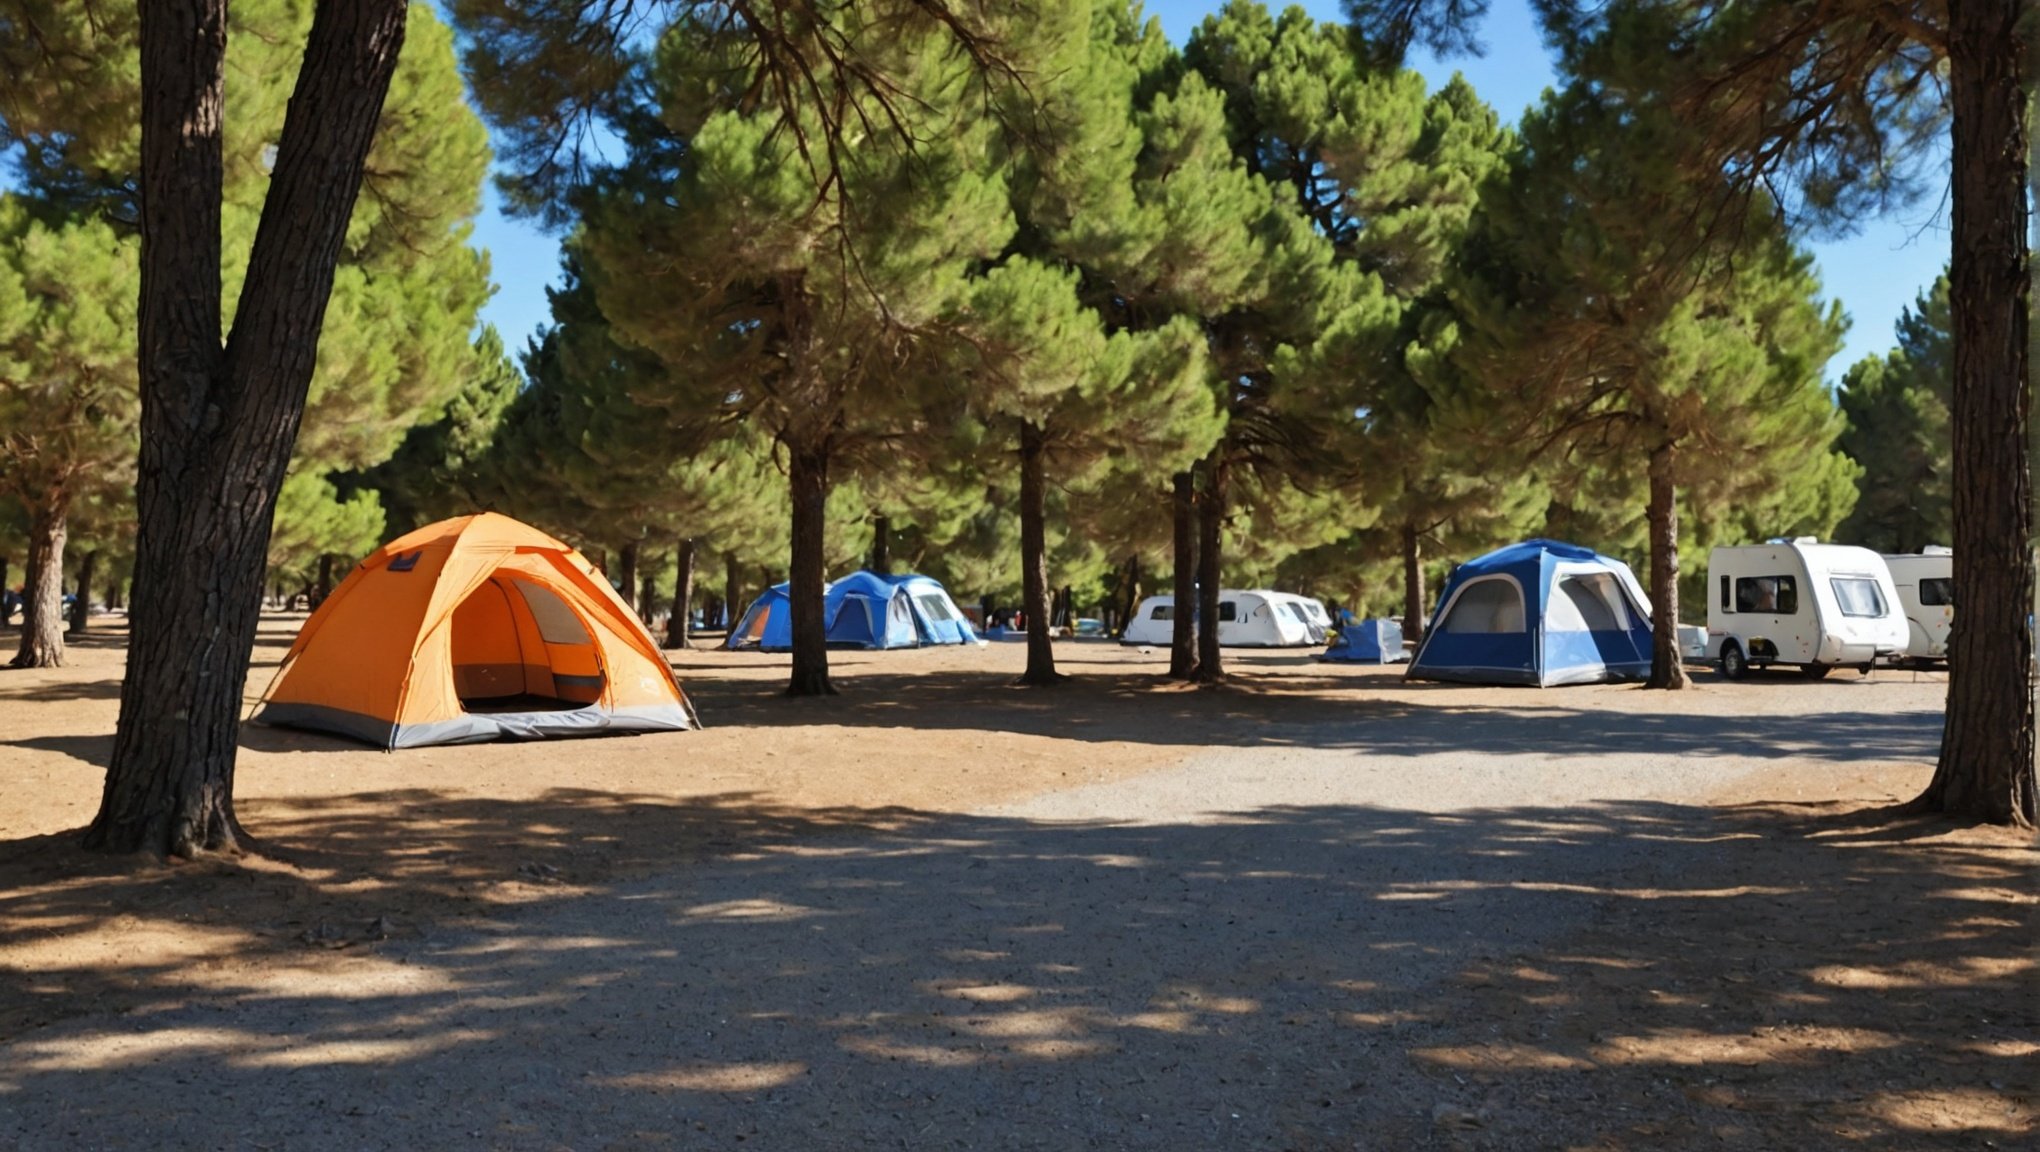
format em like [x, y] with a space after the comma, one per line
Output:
[1586, 603]
[1493, 604]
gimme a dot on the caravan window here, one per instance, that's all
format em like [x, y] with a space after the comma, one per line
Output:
[1162, 612]
[1937, 591]
[1228, 611]
[1767, 595]
[1493, 604]
[1589, 602]
[1858, 596]
[1296, 613]
[935, 607]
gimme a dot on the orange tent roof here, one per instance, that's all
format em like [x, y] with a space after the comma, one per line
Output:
[471, 629]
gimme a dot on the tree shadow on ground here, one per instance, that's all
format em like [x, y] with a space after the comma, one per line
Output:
[593, 968]
[1309, 712]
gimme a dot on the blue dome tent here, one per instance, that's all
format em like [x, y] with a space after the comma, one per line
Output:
[936, 616]
[767, 625]
[1541, 612]
[865, 610]
[862, 610]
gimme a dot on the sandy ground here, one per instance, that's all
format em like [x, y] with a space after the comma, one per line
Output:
[1320, 908]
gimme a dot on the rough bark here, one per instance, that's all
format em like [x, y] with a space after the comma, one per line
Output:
[808, 476]
[1034, 557]
[1183, 636]
[218, 419]
[1129, 600]
[1667, 666]
[733, 589]
[1985, 771]
[42, 590]
[323, 586]
[626, 573]
[683, 596]
[1210, 564]
[81, 608]
[1412, 583]
[881, 545]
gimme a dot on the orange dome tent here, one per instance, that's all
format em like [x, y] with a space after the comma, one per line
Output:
[473, 629]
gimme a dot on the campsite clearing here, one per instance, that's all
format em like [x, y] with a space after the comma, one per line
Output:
[1322, 907]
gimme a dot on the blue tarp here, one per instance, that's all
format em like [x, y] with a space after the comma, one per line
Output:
[1368, 642]
[1541, 612]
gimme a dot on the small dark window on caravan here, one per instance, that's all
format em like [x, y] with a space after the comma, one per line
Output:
[1162, 612]
[1228, 611]
[1767, 595]
[1937, 591]
[1727, 601]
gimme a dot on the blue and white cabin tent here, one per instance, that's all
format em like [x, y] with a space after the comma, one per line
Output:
[1368, 642]
[1540, 612]
[767, 625]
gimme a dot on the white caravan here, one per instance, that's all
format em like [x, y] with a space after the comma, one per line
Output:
[1926, 594]
[1246, 619]
[1800, 602]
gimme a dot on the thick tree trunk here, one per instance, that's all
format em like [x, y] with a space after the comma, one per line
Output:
[42, 590]
[1412, 583]
[683, 596]
[218, 419]
[808, 476]
[1183, 636]
[1986, 767]
[626, 572]
[81, 608]
[1034, 558]
[1667, 665]
[114, 600]
[1129, 599]
[881, 545]
[323, 586]
[732, 590]
[1210, 564]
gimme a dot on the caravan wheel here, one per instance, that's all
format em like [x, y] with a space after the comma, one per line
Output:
[1734, 666]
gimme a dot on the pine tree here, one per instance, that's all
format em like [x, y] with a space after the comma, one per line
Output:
[433, 473]
[1344, 242]
[245, 221]
[1572, 339]
[794, 305]
[1839, 107]
[68, 402]
[1898, 433]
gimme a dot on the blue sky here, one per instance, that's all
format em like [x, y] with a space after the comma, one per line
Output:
[1875, 273]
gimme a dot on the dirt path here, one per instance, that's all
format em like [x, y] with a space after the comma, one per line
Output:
[1322, 909]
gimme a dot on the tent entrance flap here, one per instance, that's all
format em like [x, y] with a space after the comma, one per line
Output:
[518, 647]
